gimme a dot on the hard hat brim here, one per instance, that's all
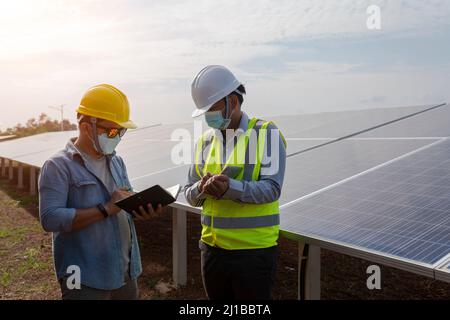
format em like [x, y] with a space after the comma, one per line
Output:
[129, 124]
[201, 111]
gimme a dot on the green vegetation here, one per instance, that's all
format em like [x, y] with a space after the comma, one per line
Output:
[33, 262]
[17, 198]
[26, 268]
[5, 279]
[34, 126]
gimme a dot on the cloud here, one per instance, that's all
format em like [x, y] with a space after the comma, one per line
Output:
[53, 50]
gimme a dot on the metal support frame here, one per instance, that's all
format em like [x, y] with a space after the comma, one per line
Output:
[20, 176]
[33, 189]
[3, 165]
[11, 170]
[308, 271]
[179, 246]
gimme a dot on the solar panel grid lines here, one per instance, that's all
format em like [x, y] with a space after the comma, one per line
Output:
[338, 125]
[363, 173]
[408, 200]
[368, 129]
[364, 237]
[362, 219]
[420, 251]
[397, 192]
[373, 216]
[369, 254]
[342, 232]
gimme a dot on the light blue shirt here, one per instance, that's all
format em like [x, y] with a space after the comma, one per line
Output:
[266, 189]
[68, 183]
[100, 167]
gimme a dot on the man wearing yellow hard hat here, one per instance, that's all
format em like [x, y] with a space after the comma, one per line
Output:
[95, 248]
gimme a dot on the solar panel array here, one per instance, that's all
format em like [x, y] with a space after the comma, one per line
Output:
[34, 150]
[400, 209]
[381, 195]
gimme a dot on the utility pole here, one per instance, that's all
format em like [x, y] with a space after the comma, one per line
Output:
[60, 108]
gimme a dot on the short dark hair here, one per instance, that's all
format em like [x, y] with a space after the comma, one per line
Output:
[241, 88]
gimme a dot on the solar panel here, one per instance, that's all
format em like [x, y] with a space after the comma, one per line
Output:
[324, 166]
[433, 123]
[338, 124]
[443, 271]
[399, 210]
[34, 150]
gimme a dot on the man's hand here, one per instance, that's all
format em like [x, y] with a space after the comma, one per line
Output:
[148, 214]
[117, 195]
[217, 185]
[203, 181]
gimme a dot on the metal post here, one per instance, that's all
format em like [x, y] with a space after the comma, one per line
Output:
[33, 190]
[3, 164]
[308, 272]
[60, 108]
[11, 172]
[179, 247]
[20, 176]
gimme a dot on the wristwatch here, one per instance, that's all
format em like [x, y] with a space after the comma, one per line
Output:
[102, 209]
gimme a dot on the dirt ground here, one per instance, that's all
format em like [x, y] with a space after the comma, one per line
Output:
[26, 267]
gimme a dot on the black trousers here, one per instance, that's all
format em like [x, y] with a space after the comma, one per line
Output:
[129, 291]
[238, 274]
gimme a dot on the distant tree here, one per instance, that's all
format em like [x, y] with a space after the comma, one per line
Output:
[40, 125]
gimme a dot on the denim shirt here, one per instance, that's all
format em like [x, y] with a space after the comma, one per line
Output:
[67, 184]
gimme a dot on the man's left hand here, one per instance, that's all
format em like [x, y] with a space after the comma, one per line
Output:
[217, 185]
[148, 214]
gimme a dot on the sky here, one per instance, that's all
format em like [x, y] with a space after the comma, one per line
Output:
[293, 56]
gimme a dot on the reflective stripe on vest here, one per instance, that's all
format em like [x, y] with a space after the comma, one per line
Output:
[241, 222]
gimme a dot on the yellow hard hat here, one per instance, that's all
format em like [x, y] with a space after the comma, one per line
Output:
[106, 102]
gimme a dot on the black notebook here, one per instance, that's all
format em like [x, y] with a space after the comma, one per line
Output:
[154, 195]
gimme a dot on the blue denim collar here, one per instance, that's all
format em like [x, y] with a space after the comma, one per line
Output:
[71, 150]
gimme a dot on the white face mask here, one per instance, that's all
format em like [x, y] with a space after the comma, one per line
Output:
[102, 144]
[107, 145]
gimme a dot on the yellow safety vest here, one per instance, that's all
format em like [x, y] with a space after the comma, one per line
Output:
[230, 224]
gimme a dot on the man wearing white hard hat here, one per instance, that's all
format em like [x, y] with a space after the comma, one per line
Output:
[238, 186]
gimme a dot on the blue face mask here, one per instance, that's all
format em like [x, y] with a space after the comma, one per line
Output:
[107, 145]
[215, 120]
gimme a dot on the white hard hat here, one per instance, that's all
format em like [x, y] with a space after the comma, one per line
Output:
[210, 85]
